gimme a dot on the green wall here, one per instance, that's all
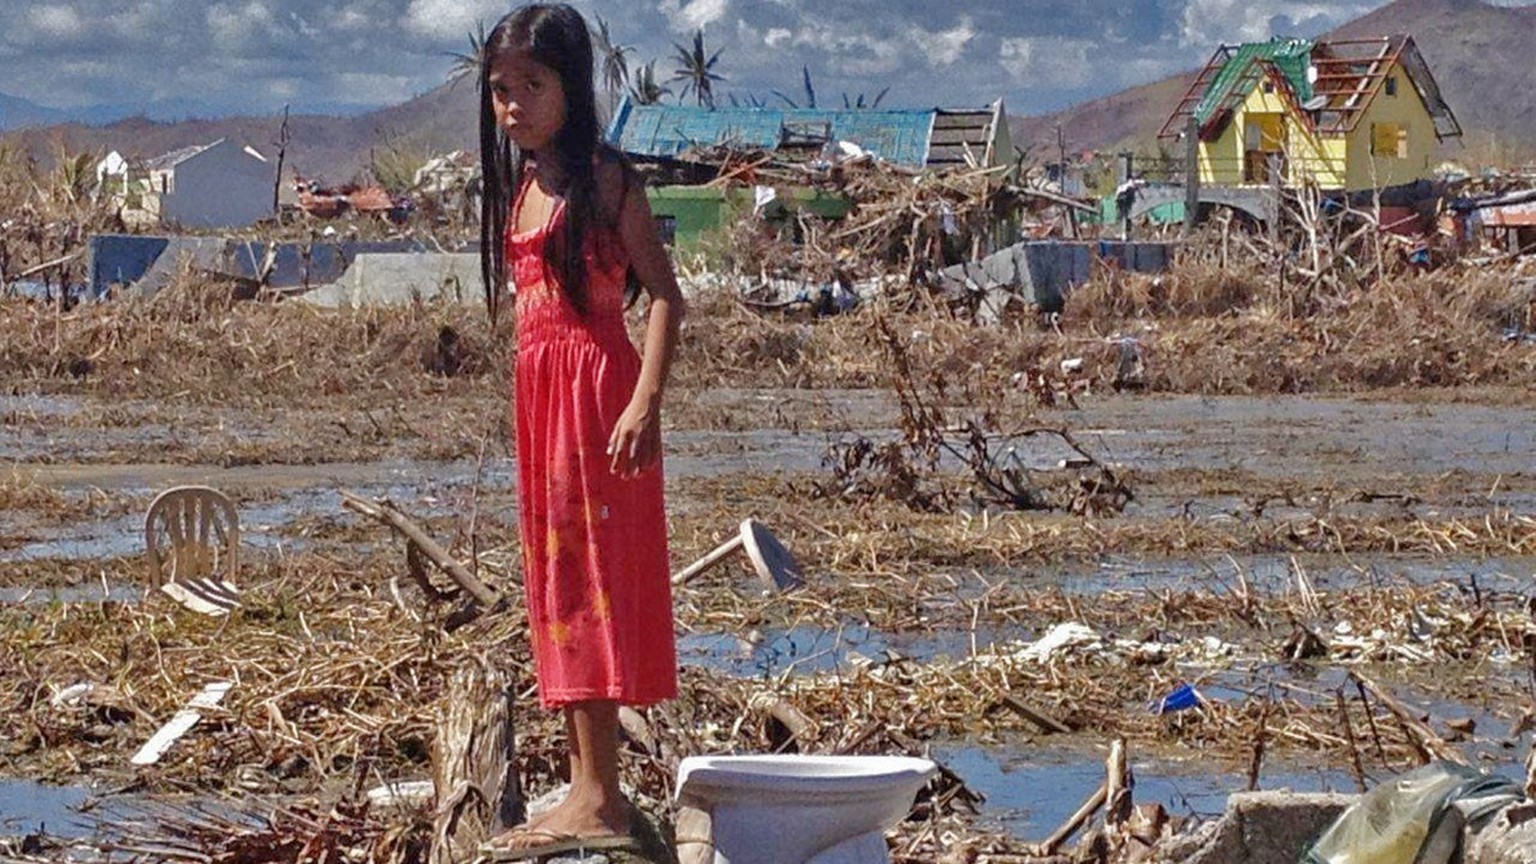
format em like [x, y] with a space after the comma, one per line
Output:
[690, 211]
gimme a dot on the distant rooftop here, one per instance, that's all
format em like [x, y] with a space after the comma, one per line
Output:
[928, 137]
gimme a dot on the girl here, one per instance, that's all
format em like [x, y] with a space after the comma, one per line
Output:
[566, 219]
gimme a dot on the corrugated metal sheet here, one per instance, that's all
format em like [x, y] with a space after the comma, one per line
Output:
[900, 136]
[1290, 56]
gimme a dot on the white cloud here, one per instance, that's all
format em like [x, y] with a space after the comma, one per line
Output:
[56, 20]
[233, 24]
[777, 37]
[1051, 60]
[944, 47]
[852, 52]
[693, 15]
[1207, 23]
[451, 19]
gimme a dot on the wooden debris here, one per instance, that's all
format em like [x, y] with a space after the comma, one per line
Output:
[389, 514]
[183, 722]
[1429, 745]
[474, 763]
[1037, 716]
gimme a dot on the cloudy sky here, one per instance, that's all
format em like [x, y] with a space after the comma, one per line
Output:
[179, 57]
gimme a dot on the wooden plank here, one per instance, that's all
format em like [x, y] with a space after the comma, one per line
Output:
[183, 721]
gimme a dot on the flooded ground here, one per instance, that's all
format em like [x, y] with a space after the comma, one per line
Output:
[1199, 462]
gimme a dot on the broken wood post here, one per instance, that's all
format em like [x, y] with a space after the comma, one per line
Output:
[474, 768]
[1127, 171]
[1275, 186]
[1117, 786]
[387, 513]
[1191, 175]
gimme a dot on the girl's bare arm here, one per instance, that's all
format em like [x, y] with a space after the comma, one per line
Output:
[636, 441]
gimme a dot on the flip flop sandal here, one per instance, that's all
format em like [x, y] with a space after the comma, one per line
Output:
[555, 842]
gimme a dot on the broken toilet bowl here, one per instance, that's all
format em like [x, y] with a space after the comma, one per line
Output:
[798, 809]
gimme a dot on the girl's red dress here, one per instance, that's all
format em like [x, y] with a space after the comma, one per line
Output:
[595, 566]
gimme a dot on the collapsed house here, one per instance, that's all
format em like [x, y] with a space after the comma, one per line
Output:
[920, 139]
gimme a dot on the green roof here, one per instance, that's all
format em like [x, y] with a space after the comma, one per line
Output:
[1243, 68]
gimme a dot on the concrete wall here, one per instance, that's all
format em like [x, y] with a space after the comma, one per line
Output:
[1042, 272]
[146, 262]
[386, 279]
[221, 187]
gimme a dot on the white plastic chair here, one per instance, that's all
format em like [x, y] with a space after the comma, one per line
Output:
[193, 537]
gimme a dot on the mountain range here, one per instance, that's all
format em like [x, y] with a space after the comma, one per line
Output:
[1479, 53]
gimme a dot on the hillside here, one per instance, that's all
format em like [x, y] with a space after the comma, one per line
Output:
[1478, 53]
[332, 148]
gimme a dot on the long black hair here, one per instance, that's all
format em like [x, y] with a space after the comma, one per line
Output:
[555, 35]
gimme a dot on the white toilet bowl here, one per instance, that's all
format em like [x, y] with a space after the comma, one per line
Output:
[801, 809]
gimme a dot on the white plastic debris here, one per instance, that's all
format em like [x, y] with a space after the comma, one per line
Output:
[1075, 364]
[403, 793]
[1061, 639]
[72, 695]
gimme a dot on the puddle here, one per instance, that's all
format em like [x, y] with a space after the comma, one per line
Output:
[1028, 795]
[1277, 574]
[809, 650]
[17, 408]
[112, 593]
[30, 808]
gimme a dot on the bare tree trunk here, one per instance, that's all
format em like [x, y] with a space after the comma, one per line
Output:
[473, 763]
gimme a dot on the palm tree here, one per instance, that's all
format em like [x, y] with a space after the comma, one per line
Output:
[644, 89]
[696, 70]
[860, 106]
[615, 63]
[810, 91]
[468, 64]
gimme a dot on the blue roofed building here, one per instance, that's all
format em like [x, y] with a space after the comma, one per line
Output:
[928, 138]
[919, 138]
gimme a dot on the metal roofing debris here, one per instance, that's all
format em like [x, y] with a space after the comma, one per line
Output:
[1244, 68]
[903, 136]
[1330, 83]
[176, 157]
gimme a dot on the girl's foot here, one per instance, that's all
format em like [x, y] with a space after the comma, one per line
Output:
[575, 819]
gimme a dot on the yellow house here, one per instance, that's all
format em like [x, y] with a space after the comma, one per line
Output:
[1345, 114]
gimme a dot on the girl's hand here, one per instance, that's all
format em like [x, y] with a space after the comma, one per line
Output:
[635, 444]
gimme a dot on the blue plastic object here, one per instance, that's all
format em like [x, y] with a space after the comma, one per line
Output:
[1183, 697]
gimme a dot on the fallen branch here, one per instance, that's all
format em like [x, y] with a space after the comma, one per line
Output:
[387, 513]
[1427, 742]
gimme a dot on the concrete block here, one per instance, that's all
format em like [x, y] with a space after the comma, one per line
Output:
[1259, 828]
[384, 279]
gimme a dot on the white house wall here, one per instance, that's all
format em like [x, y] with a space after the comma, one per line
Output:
[221, 187]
